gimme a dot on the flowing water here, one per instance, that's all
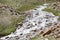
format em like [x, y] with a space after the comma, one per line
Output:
[33, 24]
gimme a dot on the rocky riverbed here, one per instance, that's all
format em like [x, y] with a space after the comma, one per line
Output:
[36, 22]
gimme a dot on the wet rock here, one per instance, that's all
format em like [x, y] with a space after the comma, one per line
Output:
[21, 34]
[20, 24]
[7, 37]
[34, 30]
[37, 14]
[47, 31]
[35, 9]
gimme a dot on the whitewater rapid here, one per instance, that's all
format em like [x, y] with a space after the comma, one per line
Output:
[33, 24]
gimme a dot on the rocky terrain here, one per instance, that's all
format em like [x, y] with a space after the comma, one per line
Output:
[18, 22]
[37, 22]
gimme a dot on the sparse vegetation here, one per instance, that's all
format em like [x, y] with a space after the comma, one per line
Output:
[27, 7]
[55, 12]
[38, 37]
[6, 29]
[59, 18]
[23, 5]
[8, 20]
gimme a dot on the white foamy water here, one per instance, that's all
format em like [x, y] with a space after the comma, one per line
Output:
[33, 25]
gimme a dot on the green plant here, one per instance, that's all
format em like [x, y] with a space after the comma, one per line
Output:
[38, 37]
[8, 28]
[55, 12]
[59, 18]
